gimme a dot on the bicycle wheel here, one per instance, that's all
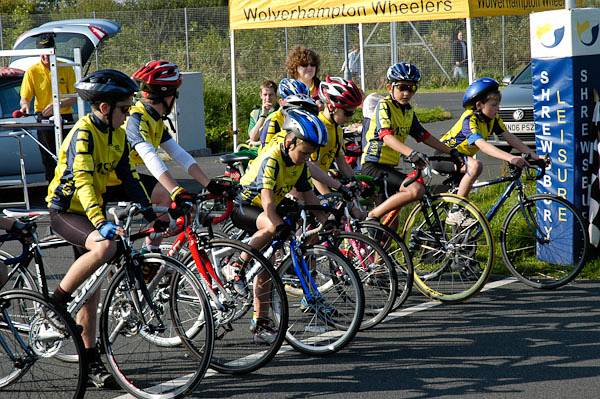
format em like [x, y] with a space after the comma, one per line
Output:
[537, 241]
[240, 347]
[41, 332]
[328, 324]
[142, 366]
[19, 277]
[394, 246]
[376, 271]
[452, 262]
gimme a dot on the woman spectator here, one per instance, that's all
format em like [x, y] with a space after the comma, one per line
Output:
[303, 64]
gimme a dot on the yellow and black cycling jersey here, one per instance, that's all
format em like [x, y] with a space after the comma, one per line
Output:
[143, 124]
[390, 118]
[470, 127]
[272, 126]
[87, 156]
[324, 156]
[273, 170]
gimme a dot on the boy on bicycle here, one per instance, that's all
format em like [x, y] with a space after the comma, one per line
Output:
[394, 120]
[277, 171]
[146, 131]
[94, 148]
[469, 135]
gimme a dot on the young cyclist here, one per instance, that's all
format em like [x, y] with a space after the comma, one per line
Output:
[340, 97]
[273, 174]
[393, 122]
[469, 134]
[272, 126]
[146, 131]
[258, 116]
[95, 147]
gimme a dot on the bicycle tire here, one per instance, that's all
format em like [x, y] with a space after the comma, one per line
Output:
[235, 350]
[524, 263]
[451, 263]
[376, 271]
[174, 371]
[394, 246]
[309, 330]
[46, 331]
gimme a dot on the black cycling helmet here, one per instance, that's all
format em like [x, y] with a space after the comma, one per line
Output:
[107, 85]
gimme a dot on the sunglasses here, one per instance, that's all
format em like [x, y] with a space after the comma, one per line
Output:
[348, 112]
[309, 64]
[406, 87]
[124, 108]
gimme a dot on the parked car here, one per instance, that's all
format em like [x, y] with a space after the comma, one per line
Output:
[86, 34]
[516, 108]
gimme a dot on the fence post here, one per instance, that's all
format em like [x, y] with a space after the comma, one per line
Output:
[187, 39]
[503, 49]
[285, 33]
[393, 43]
[1, 34]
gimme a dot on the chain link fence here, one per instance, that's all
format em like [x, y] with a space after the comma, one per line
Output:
[198, 39]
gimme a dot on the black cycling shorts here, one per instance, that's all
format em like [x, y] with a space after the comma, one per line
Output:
[244, 215]
[120, 193]
[394, 177]
[72, 227]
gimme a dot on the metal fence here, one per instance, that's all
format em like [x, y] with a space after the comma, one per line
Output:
[197, 39]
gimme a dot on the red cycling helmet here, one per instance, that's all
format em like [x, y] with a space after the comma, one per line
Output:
[159, 78]
[340, 93]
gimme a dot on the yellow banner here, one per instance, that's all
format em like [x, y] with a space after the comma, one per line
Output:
[253, 14]
[493, 8]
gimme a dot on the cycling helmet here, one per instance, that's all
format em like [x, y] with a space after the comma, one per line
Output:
[478, 90]
[300, 101]
[159, 78]
[288, 87]
[306, 126]
[370, 104]
[106, 85]
[403, 71]
[340, 93]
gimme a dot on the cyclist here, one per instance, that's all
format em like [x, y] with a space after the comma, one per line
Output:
[146, 131]
[287, 87]
[273, 174]
[469, 134]
[94, 147]
[340, 97]
[393, 121]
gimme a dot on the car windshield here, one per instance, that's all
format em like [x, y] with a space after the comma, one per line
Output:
[65, 43]
[9, 97]
[523, 78]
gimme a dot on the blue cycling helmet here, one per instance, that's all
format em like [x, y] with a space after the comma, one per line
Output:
[478, 90]
[306, 126]
[288, 87]
[403, 71]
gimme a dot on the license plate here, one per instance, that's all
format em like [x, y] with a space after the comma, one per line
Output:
[520, 127]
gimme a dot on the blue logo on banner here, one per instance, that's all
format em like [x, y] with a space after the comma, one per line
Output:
[582, 28]
[541, 35]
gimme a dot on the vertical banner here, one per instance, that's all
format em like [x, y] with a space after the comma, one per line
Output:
[565, 53]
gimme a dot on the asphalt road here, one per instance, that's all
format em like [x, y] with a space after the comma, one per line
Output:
[508, 342]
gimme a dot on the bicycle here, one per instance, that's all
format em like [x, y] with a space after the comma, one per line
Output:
[536, 237]
[232, 301]
[325, 295]
[136, 315]
[451, 262]
[34, 334]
